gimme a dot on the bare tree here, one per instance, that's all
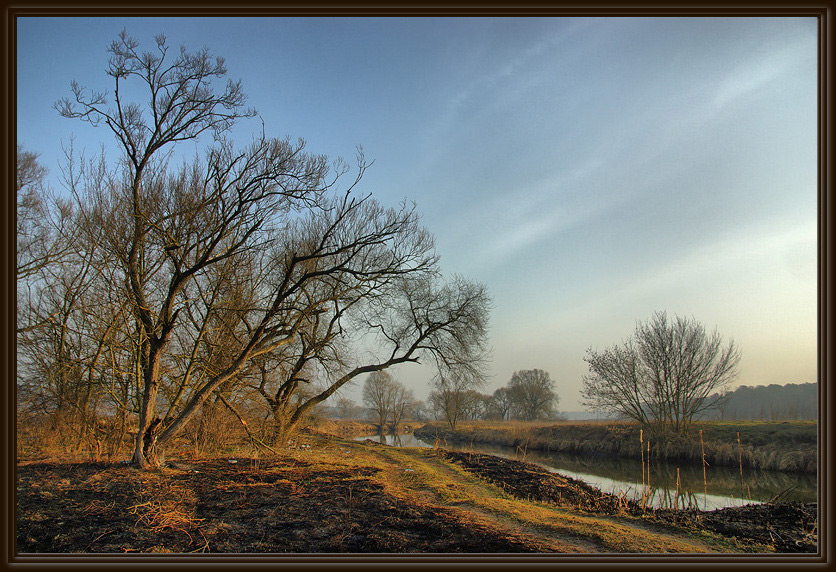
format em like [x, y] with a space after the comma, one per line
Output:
[45, 238]
[456, 394]
[436, 405]
[531, 393]
[412, 317]
[663, 375]
[43, 221]
[165, 235]
[247, 270]
[500, 404]
[420, 411]
[378, 395]
[402, 401]
[65, 323]
[347, 408]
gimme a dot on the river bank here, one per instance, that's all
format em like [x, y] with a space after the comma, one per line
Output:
[783, 446]
[330, 494]
[787, 527]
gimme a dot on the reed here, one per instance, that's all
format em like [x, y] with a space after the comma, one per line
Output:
[740, 462]
[704, 476]
[641, 446]
[523, 449]
[785, 446]
[676, 497]
[648, 462]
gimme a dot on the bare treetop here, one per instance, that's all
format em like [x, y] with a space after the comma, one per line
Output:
[184, 102]
[662, 376]
[249, 268]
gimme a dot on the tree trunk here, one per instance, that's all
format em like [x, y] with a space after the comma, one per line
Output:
[152, 452]
[146, 414]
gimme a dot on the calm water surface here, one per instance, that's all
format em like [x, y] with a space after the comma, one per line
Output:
[725, 486]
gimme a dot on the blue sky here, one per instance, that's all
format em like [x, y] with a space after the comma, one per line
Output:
[589, 171]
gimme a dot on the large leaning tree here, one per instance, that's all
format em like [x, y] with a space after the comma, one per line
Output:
[663, 375]
[251, 269]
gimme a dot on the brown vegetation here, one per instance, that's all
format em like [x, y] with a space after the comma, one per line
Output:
[242, 279]
[251, 506]
[325, 494]
[788, 527]
[786, 446]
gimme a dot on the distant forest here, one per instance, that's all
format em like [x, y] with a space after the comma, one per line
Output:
[768, 402]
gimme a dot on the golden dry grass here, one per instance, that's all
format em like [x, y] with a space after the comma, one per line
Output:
[421, 474]
[773, 445]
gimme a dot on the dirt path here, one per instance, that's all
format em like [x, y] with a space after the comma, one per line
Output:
[766, 527]
[332, 496]
[429, 474]
[453, 490]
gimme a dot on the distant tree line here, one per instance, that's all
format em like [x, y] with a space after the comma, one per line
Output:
[530, 395]
[793, 401]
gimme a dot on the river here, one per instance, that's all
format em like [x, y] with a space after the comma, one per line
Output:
[723, 485]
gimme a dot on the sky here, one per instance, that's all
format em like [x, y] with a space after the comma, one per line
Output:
[588, 171]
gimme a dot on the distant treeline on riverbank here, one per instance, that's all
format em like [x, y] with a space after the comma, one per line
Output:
[785, 446]
[793, 401]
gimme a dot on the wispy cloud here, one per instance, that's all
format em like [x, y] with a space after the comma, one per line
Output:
[508, 225]
[511, 73]
[755, 74]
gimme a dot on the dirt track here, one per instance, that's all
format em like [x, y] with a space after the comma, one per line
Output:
[787, 527]
[347, 497]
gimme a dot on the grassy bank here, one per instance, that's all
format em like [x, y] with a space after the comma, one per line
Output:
[779, 445]
[333, 495]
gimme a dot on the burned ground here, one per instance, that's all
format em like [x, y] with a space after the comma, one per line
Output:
[336, 496]
[787, 527]
[251, 506]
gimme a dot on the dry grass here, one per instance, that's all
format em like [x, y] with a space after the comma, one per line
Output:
[785, 445]
[320, 494]
[426, 474]
[166, 505]
[324, 495]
